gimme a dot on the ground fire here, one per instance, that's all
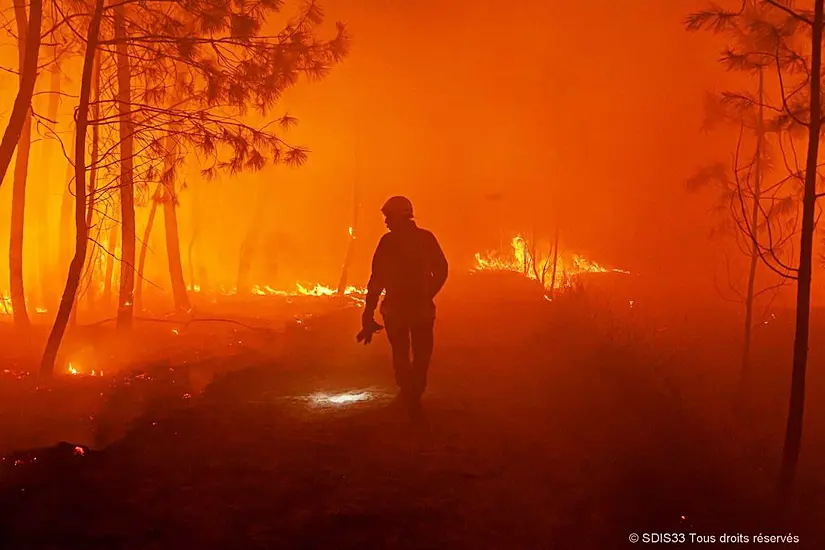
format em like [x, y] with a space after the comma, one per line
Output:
[555, 271]
[590, 231]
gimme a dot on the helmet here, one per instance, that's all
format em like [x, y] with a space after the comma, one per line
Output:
[399, 207]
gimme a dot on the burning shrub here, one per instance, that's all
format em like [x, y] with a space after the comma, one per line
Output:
[554, 270]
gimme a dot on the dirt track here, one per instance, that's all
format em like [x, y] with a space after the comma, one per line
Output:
[536, 436]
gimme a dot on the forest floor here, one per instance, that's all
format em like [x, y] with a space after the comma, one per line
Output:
[546, 426]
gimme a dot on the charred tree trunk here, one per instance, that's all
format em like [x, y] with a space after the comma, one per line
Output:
[18, 199]
[28, 78]
[250, 242]
[90, 208]
[170, 222]
[110, 265]
[125, 304]
[81, 241]
[796, 406]
[64, 240]
[18, 209]
[353, 231]
[754, 252]
[156, 198]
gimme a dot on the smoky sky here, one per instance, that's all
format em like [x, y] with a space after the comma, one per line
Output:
[497, 118]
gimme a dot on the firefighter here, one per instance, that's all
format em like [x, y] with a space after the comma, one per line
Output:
[410, 266]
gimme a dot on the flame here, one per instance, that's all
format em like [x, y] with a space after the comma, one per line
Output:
[540, 268]
[316, 289]
[75, 372]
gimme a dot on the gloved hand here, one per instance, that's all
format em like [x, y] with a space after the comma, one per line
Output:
[368, 327]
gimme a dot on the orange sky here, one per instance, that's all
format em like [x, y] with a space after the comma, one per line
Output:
[592, 109]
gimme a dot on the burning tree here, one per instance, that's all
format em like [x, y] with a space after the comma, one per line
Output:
[182, 76]
[790, 38]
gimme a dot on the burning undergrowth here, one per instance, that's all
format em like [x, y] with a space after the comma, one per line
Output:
[212, 295]
[555, 269]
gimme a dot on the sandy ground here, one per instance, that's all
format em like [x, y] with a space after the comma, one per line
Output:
[543, 429]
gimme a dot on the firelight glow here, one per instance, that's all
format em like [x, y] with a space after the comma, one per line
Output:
[322, 399]
[534, 265]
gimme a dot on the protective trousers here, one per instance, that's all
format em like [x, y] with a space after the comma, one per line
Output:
[410, 331]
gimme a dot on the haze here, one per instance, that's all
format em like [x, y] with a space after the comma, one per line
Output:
[550, 275]
[495, 120]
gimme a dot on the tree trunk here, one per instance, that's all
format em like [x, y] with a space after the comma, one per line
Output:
[64, 239]
[754, 253]
[81, 241]
[170, 221]
[353, 230]
[196, 223]
[110, 265]
[48, 153]
[90, 209]
[18, 200]
[125, 305]
[555, 262]
[18, 209]
[93, 168]
[796, 406]
[250, 242]
[156, 198]
[28, 78]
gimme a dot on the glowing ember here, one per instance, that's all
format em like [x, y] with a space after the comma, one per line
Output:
[75, 372]
[533, 265]
[79, 451]
[326, 399]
